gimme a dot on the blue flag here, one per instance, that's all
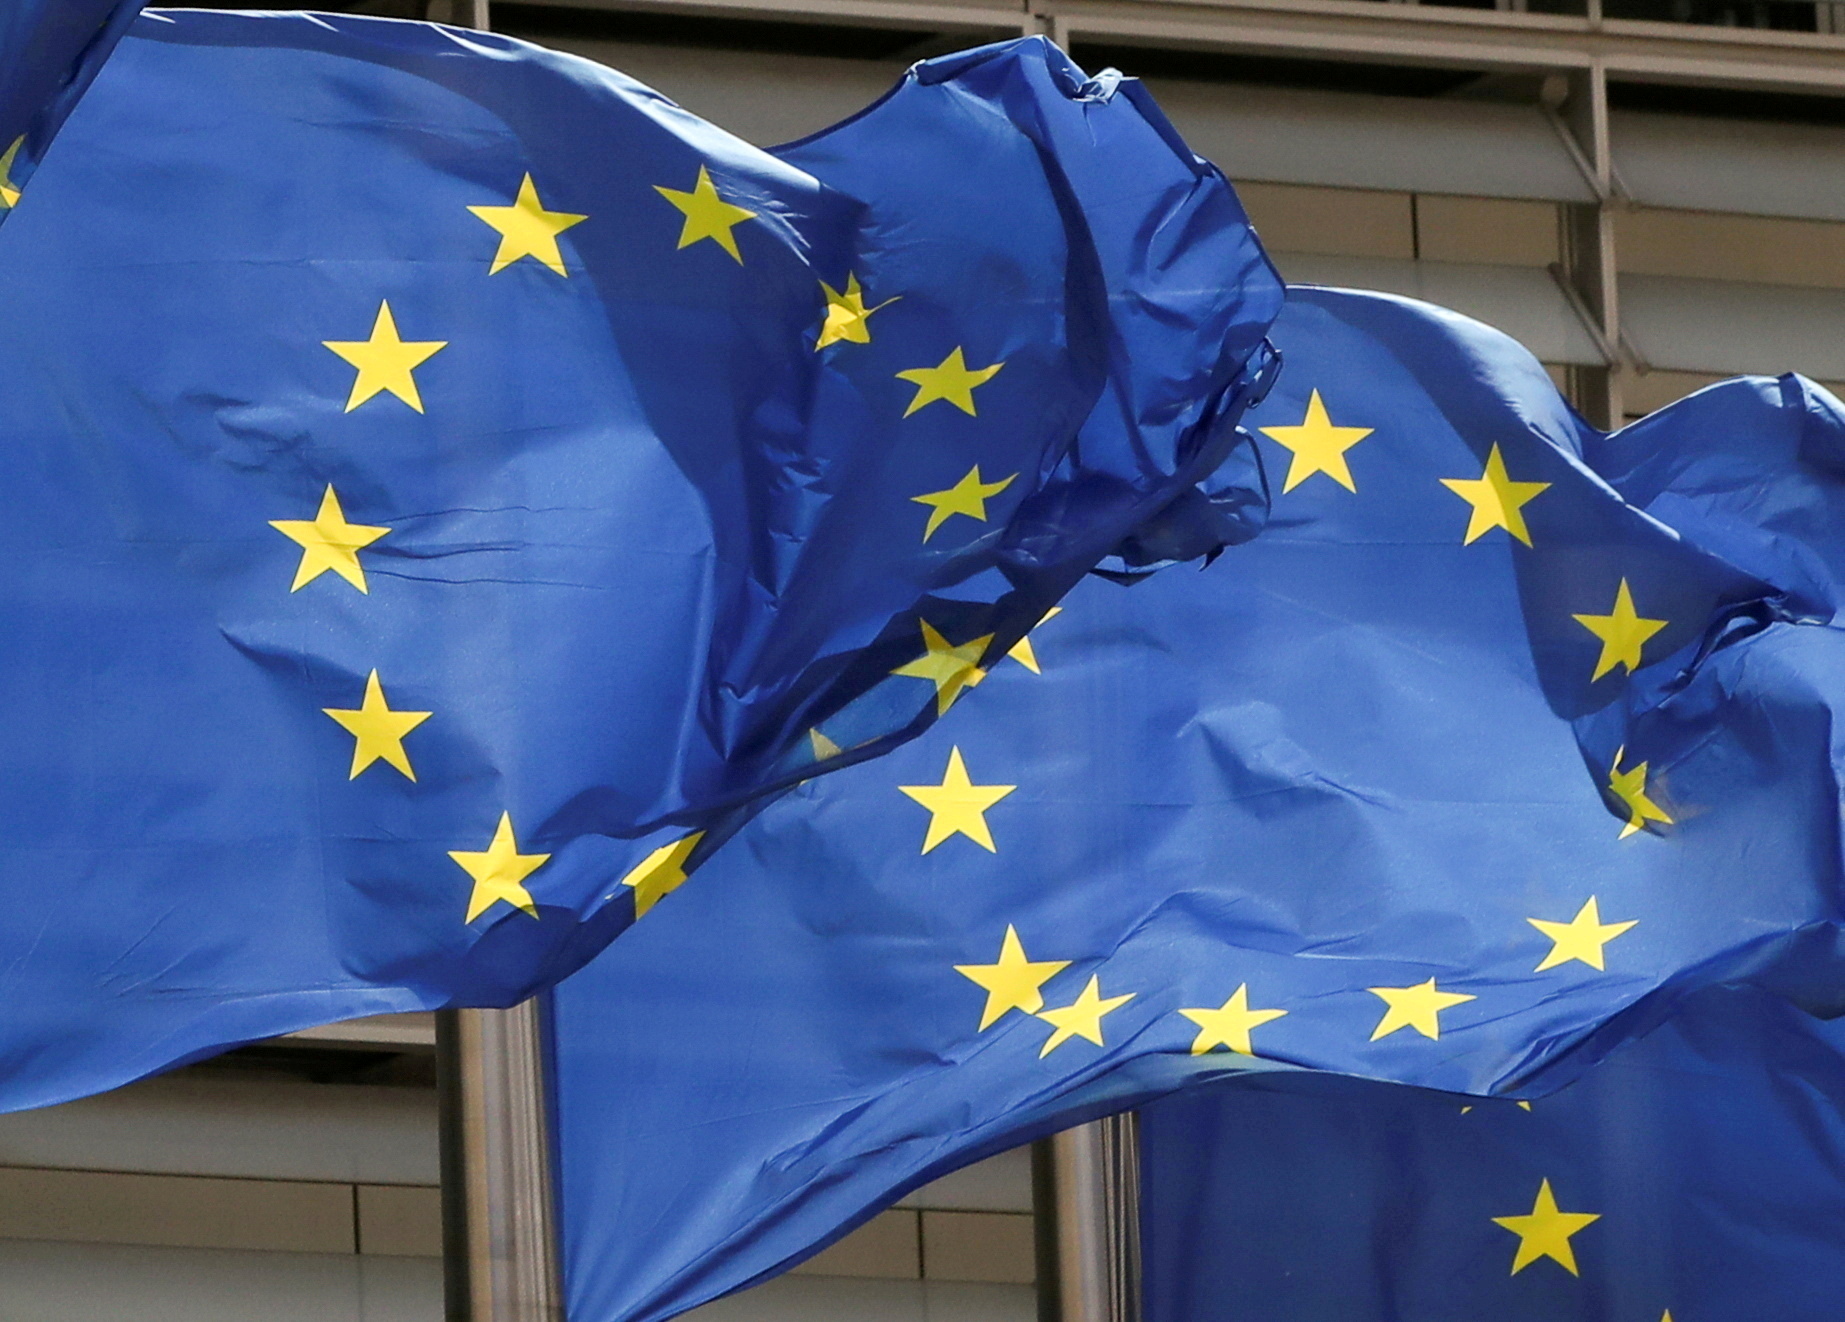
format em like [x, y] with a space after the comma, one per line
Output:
[450, 482]
[1462, 771]
[1697, 1173]
[50, 50]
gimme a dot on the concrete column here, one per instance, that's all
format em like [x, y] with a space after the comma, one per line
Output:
[1588, 272]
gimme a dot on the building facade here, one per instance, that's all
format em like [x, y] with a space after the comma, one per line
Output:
[1650, 194]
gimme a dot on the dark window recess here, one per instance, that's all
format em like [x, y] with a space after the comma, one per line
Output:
[1727, 103]
[1785, 15]
[313, 1064]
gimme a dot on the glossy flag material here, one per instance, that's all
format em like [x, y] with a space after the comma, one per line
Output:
[448, 480]
[50, 50]
[1697, 1173]
[1461, 772]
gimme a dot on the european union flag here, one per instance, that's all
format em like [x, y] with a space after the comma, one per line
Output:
[1462, 771]
[50, 50]
[1696, 1173]
[449, 480]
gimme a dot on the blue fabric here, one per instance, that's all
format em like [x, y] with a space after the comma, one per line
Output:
[1353, 753]
[1711, 1152]
[643, 548]
[50, 50]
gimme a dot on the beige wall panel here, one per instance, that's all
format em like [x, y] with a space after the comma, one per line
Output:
[399, 1221]
[1757, 249]
[1346, 222]
[1641, 393]
[761, 97]
[1497, 231]
[95, 1207]
[885, 1246]
[979, 1246]
[998, 1184]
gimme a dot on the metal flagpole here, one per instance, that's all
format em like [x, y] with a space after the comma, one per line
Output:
[499, 1221]
[1086, 1189]
[459, 13]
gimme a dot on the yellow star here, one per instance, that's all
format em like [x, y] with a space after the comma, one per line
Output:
[1229, 1025]
[660, 873]
[1630, 788]
[822, 746]
[499, 872]
[328, 542]
[1545, 1232]
[528, 230]
[952, 380]
[1582, 937]
[1623, 633]
[968, 496]
[847, 317]
[707, 216]
[957, 806]
[378, 732]
[1416, 1007]
[9, 195]
[1497, 500]
[951, 669]
[1022, 652]
[1012, 982]
[385, 362]
[1081, 1018]
[1317, 446]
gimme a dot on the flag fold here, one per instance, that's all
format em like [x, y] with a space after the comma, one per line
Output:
[50, 50]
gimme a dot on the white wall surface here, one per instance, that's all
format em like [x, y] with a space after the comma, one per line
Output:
[1350, 140]
[820, 1299]
[1728, 328]
[115, 1283]
[1746, 166]
[1523, 302]
[112, 1283]
[201, 1124]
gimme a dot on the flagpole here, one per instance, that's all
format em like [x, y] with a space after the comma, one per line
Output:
[1086, 1187]
[499, 1225]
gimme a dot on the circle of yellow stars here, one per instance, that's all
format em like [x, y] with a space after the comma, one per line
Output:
[385, 366]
